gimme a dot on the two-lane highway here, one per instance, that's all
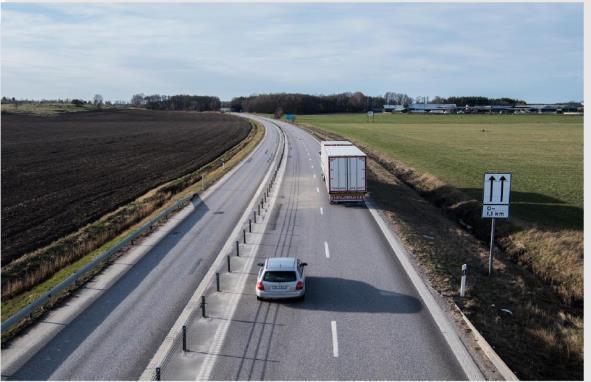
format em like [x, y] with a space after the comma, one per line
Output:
[115, 337]
[361, 319]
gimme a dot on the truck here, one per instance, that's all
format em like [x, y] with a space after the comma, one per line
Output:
[343, 171]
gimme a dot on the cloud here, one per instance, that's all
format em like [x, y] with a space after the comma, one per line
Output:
[77, 50]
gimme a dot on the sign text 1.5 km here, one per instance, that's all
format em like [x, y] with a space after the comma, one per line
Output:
[495, 200]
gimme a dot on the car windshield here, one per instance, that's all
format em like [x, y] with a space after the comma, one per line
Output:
[279, 276]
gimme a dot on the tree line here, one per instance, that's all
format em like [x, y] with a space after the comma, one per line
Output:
[479, 101]
[296, 103]
[176, 102]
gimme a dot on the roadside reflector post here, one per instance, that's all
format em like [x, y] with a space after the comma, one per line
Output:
[202, 182]
[259, 206]
[463, 282]
[249, 226]
[237, 248]
[203, 306]
[244, 236]
[229, 269]
[184, 337]
[492, 243]
[217, 281]
[158, 373]
[223, 164]
[254, 214]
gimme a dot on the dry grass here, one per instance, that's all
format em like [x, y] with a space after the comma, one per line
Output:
[33, 268]
[38, 266]
[543, 337]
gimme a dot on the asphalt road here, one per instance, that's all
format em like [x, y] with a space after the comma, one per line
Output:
[115, 337]
[362, 319]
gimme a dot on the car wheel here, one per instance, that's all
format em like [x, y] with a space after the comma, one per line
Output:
[259, 298]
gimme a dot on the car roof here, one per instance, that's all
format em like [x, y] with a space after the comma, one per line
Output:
[281, 263]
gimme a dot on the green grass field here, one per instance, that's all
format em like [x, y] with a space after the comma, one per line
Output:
[543, 152]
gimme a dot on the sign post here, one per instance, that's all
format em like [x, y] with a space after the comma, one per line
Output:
[495, 203]
[370, 115]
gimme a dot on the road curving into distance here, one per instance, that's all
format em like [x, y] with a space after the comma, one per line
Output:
[362, 318]
[115, 337]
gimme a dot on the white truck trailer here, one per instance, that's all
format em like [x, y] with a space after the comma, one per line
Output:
[343, 170]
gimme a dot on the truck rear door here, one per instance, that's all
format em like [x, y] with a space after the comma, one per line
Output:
[356, 179]
[338, 174]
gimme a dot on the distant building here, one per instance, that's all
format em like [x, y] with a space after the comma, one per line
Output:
[395, 109]
[433, 108]
[569, 108]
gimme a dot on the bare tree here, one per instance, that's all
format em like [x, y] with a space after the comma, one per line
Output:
[393, 98]
[98, 101]
[137, 100]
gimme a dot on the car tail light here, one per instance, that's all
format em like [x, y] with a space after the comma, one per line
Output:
[300, 285]
[260, 286]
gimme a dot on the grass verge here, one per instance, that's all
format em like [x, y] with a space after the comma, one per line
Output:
[41, 270]
[541, 338]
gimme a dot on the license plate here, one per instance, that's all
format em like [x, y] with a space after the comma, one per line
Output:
[280, 287]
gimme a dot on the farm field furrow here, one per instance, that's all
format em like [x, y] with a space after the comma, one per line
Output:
[61, 173]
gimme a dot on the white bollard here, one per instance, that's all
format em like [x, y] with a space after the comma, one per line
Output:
[463, 282]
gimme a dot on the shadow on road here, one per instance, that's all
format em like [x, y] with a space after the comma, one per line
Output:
[50, 357]
[343, 295]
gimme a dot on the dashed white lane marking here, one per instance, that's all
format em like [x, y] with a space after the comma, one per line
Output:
[311, 166]
[335, 340]
[314, 176]
[326, 251]
[317, 189]
[321, 211]
[309, 158]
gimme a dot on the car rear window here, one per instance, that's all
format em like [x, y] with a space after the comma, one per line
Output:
[279, 276]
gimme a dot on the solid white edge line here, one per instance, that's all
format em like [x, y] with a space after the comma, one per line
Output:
[335, 340]
[12, 362]
[208, 364]
[457, 347]
[167, 344]
[326, 250]
[460, 352]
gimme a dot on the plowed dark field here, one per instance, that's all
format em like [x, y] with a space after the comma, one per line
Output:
[61, 173]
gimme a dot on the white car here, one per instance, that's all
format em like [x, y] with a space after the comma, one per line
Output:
[281, 277]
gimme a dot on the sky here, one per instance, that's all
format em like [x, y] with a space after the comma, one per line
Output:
[529, 51]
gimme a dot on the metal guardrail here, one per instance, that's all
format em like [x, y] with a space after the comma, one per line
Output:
[75, 277]
[157, 373]
[31, 307]
[105, 256]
